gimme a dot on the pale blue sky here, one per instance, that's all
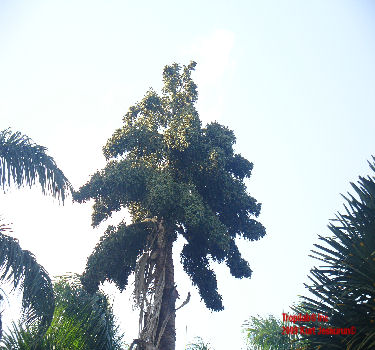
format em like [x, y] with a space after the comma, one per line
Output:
[293, 79]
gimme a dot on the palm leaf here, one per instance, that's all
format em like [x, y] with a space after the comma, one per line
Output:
[82, 315]
[266, 334]
[81, 321]
[23, 162]
[21, 337]
[21, 267]
[345, 287]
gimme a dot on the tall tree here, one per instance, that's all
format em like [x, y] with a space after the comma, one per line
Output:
[174, 177]
[23, 162]
[343, 288]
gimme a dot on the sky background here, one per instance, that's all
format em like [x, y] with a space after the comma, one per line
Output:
[294, 80]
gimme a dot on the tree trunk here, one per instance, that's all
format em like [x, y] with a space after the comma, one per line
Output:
[166, 330]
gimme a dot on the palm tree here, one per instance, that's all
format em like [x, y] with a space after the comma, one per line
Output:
[21, 267]
[267, 334]
[22, 162]
[343, 288]
[81, 321]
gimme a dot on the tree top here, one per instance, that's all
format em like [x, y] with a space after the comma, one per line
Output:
[163, 164]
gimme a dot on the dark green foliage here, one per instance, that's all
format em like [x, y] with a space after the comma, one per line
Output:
[344, 286]
[81, 321]
[115, 256]
[24, 338]
[197, 267]
[163, 164]
[22, 162]
[20, 267]
[90, 315]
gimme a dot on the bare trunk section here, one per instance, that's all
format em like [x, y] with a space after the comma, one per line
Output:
[166, 328]
[155, 292]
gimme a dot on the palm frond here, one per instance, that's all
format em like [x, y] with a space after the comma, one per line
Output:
[20, 267]
[21, 337]
[23, 162]
[81, 321]
[345, 287]
[82, 315]
[266, 334]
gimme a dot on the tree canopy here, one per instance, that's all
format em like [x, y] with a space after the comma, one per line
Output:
[174, 175]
